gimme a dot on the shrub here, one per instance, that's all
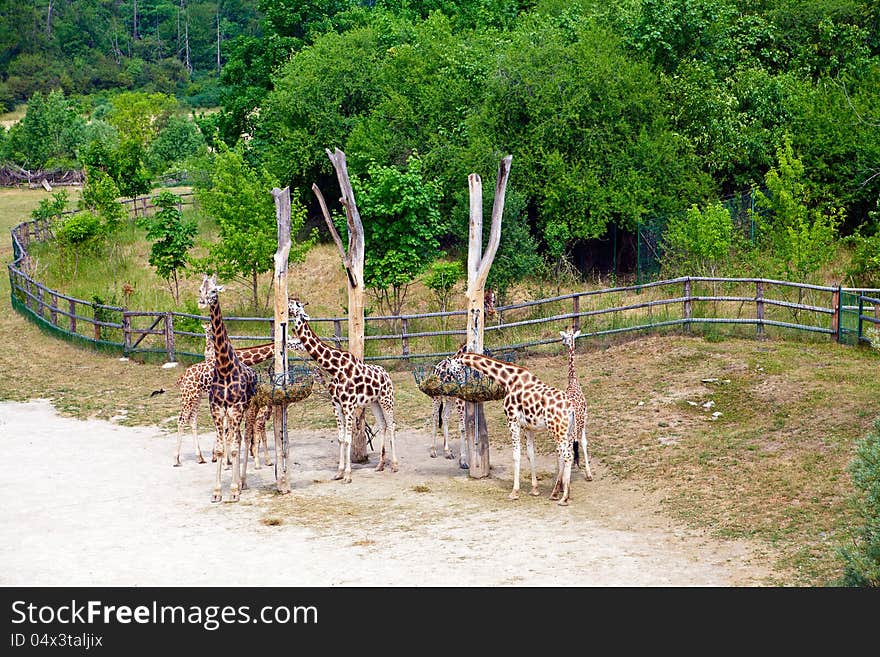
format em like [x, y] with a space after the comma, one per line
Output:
[862, 558]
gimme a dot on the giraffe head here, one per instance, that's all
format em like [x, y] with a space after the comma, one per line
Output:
[443, 370]
[209, 291]
[568, 337]
[453, 365]
[295, 344]
[296, 312]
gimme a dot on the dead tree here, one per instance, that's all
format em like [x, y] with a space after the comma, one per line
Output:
[282, 217]
[353, 261]
[479, 262]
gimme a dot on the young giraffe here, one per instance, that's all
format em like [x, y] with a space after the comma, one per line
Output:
[575, 395]
[194, 382]
[530, 405]
[352, 384]
[256, 417]
[232, 388]
[442, 409]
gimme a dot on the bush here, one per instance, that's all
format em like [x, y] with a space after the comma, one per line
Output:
[862, 559]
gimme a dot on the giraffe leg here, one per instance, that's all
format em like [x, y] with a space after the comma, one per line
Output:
[262, 420]
[195, 430]
[557, 485]
[447, 412]
[340, 427]
[179, 442]
[435, 421]
[391, 428]
[530, 450]
[233, 434]
[462, 432]
[349, 430]
[567, 458]
[244, 460]
[219, 451]
[517, 456]
[381, 425]
[588, 473]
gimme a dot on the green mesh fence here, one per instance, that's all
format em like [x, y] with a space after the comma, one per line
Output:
[850, 326]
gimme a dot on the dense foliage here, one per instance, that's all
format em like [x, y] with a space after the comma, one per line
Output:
[862, 558]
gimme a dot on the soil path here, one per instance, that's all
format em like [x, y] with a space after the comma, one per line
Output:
[93, 503]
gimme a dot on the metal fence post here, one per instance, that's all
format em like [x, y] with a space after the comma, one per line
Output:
[404, 339]
[835, 318]
[169, 336]
[126, 333]
[337, 333]
[576, 309]
[759, 308]
[687, 303]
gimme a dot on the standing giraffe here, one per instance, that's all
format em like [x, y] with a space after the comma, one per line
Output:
[575, 395]
[195, 381]
[530, 405]
[232, 388]
[352, 384]
[442, 409]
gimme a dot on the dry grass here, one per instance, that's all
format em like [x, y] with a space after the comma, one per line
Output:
[771, 467]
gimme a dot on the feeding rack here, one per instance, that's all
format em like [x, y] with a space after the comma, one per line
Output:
[467, 384]
[272, 390]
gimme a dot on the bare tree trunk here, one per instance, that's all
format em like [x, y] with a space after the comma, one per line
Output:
[282, 212]
[353, 260]
[49, 18]
[134, 20]
[479, 262]
[218, 38]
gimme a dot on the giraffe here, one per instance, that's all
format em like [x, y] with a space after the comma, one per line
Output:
[530, 405]
[194, 382]
[442, 409]
[232, 387]
[352, 384]
[575, 395]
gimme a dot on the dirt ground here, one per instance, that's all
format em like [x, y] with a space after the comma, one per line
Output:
[94, 503]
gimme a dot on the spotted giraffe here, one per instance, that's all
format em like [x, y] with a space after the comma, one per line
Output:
[232, 387]
[575, 395]
[442, 409]
[352, 384]
[530, 405]
[193, 385]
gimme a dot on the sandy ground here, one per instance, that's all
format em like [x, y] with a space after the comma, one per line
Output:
[93, 503]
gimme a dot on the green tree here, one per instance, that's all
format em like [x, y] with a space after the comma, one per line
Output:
[172, 237]
[100, 197]
[518, 256]
[862, 558]
[401, 228]
[81, 232]
[801, 237]
[441, 278]
[49, 135]
[139, 116]
[177, 141]
[132, 175]
[239, 199]
[51, 209]
[697, 242]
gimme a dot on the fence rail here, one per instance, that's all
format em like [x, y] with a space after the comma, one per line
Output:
[848, 315]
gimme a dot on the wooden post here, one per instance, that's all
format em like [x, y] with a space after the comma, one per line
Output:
[337, 333]
[40, 302]
[169, 336]
[687, 304]
[759, 307]
[835, 318]
[403, 337]
[126, 333]
[282, 444]
[353, 260]
[479, 262]
[53, 309]
[576, 309]
[71, 305]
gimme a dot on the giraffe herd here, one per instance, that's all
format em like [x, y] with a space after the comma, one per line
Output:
[228, 378]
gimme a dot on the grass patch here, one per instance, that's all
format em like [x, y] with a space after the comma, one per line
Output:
[421, 488]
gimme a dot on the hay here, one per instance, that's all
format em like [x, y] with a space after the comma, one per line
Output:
[271, 392]
[472, 388]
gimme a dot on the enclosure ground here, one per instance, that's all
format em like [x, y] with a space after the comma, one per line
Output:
[93, 503]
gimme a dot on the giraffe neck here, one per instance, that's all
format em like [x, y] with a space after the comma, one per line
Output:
[209, 347]
[256, 354]
[223, 351]
[328, 358]
[572, 375]
[504, 373]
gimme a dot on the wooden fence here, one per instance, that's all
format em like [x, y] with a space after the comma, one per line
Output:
[686, 304]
